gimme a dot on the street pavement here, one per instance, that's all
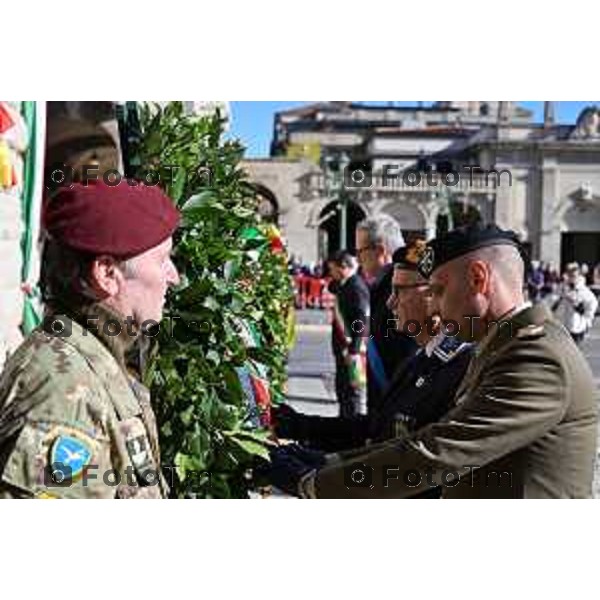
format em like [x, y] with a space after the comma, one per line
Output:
[311, 369]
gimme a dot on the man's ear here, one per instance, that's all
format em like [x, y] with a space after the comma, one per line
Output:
[106, 277]
[478, 276]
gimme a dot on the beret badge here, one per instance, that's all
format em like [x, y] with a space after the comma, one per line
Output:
[415, 252]
[426, 262]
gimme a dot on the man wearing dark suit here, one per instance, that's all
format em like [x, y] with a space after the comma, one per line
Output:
[349, 333]
[376, 241]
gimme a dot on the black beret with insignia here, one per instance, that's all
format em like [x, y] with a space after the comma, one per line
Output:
[463, 240]
[408, 257]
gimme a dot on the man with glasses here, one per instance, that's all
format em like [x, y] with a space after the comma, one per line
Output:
[420, 390]
[376, 241]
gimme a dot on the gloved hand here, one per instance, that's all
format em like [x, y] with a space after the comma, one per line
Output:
[285, 421]
[288, 465]
[313, 458]
[580, 308]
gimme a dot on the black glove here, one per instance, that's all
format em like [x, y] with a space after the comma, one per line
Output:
[580, 308]
[285, 421]
[313, 458]
[288, 465]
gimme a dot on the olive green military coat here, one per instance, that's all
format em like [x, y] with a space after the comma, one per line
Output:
[523, 425]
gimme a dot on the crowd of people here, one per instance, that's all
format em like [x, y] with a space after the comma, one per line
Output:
[572, 295]
[311, 285]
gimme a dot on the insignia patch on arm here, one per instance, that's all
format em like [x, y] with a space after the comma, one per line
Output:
[54, 458]
[139, 450]
[70, 452]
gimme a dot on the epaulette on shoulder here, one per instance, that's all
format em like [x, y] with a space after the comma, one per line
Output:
[531, 332]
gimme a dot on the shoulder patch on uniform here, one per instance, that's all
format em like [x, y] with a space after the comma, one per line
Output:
[70, 452]
[138, 446]
[531, 331]
[443, 356]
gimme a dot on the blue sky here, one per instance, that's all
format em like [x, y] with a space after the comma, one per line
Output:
[252, 122]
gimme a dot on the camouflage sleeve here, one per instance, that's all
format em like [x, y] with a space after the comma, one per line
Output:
[52, 459]
[55, 436]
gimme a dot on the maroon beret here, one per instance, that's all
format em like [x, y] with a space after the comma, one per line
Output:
[121, 220]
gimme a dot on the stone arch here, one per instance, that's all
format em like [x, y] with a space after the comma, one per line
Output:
[268, 205]
[329, 224]
[410, 216]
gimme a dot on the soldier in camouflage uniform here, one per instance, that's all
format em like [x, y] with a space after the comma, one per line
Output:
[74, 423]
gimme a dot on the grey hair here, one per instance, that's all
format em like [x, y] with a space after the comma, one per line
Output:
[65, 274]
[383, 230]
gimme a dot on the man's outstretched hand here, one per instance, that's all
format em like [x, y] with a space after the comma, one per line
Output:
[285, 421]
[289, 464]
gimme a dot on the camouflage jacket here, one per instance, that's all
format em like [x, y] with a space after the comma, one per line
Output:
[73, 422]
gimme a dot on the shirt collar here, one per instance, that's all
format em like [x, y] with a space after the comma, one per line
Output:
[509, 316]
[433, 343]
[515, 311]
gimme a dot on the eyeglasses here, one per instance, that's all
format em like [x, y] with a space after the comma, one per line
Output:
[359, 251]
[399, 290]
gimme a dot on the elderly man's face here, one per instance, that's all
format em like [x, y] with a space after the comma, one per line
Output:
[143, 291]
[410, 301]
[371, 257]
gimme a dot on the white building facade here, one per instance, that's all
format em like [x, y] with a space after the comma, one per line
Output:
[433, 167]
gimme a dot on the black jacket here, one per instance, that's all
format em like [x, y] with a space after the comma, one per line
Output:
[350, 326]
[421, 392]
[392, 346]
[422, 389]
